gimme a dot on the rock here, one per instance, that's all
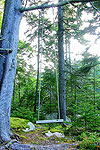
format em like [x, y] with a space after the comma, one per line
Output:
[26, 130]
[17, 146]
[60, 135]
[68, 119]
[51, 116]
[49, 134]
[78, 116]
[32, 127]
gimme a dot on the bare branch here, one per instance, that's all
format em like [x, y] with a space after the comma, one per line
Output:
[43, 6]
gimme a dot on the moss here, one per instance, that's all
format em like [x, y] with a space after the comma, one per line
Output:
[37, 129]
[58, 127]
[41, 138]
[35, 143]
[23, 137]
[18, 123]
[45, 132]
[56, 130]
[58, 139]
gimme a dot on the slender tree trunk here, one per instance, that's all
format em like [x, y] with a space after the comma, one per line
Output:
[8, 63]
[94, 86]
[38, 58]
[50, 100]
[69, 54]
[75, 96]
[19, 93]
[62, 85]
[66, 47]
[70, 63]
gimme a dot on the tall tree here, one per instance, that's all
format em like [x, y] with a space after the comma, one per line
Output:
[62, 85]
[38, 63]
[8, 63]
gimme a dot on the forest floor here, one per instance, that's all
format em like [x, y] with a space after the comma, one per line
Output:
[37, 139]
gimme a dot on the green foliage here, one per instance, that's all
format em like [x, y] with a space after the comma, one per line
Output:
[83, 94]
[24, 47]
[22, 112]
[89, 141]
[97, 4]
[83, 83]
[1, 11]
[48, 93]
[24, 88]
[88, 116]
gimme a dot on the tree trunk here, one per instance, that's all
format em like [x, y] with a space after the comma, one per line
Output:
[8, 63]
[14, 93]
[19, 93]
[62, 85]
[38, 63]
[94, 86]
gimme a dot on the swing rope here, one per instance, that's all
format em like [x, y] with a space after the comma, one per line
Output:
[41, 62]
[42, 36]
[56, 62]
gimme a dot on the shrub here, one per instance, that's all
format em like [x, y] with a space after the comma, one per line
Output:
[89, 141]
[23, 112]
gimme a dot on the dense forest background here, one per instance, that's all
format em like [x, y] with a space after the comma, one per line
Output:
[82, 76]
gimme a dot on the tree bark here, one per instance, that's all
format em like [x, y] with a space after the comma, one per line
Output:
[38, 64]
[8, 63]
[62, 85]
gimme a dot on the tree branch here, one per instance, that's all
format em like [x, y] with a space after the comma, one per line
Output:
[43, 6]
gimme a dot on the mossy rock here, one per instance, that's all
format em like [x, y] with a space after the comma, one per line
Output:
[18, 123]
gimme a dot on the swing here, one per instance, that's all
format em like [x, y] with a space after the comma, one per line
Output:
[50, 121]
[55, 120]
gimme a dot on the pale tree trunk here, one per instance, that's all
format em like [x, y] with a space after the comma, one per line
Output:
[62, 85]
[8, 63]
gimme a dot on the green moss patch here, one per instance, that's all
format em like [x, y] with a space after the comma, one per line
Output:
[18, 123]
[57, 129]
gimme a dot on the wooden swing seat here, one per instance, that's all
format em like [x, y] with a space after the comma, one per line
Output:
[50, 121]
